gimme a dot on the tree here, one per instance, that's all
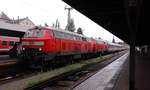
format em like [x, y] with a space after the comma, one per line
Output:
[70, 26]
[56, 25]
[80, 31]
[46, 24]
[113, 41]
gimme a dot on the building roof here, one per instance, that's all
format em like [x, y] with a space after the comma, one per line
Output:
[14, 27]
[4, 16]
[14, 30]
[23, 19]
[11, 27]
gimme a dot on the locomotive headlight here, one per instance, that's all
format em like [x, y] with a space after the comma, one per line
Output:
[23, 48]
[39, 43]
[40, 49]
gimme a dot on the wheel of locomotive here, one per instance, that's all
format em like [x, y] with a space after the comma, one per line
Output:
[71, 61]
[45, 64]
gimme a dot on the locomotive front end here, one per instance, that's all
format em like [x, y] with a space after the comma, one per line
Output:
[34, 47]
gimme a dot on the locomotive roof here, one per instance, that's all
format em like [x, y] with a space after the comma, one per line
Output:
[74, 33]
[65, 31]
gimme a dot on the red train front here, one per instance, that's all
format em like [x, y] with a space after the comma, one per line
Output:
[41, 44]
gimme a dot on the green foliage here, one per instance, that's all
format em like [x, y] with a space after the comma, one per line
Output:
[80, 31]
[71, 26]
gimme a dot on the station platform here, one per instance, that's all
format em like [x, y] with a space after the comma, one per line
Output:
[142, 73]
[116, 77]
[106, 78]
[142, 70]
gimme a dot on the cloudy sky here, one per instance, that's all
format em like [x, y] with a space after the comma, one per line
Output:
[41, 11]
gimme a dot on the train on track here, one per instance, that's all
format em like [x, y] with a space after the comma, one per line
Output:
[42, 46]
[7, 43]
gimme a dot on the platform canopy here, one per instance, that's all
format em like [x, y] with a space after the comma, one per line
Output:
[127, 19]
[12, 30]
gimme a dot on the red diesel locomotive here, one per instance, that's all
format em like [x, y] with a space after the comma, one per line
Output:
[44, 44]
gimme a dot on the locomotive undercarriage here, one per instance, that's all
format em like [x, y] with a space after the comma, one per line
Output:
[34, 58]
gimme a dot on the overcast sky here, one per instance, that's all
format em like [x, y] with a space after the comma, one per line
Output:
[41, 11]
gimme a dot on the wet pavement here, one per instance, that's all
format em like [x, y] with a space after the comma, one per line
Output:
[102, 79]
[122, 82]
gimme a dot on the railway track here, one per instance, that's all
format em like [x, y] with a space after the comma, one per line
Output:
[5, 60]
[69, 80]
[6, 65]
[44, 84]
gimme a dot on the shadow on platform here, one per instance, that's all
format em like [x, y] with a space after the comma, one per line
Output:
[142, 73]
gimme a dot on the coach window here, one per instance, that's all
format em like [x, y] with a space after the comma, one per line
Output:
[11, 43]
[87, 39]
[4, 42]
[80, 38]
[77, 38]
[72, 37]
[66, 36]
[59, 34]
[63, 35]
[83, 39]
[56, 34]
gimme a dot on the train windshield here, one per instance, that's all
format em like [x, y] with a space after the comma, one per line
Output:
[34, 33]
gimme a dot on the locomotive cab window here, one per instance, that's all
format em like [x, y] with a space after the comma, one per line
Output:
[34, 33]
[67, 36]
[38, 33]
[29, 33]
[70, 36]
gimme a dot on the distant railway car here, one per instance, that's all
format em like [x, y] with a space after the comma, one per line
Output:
[6, 43]
[41, 44]
[112, 47]
[101, 45]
